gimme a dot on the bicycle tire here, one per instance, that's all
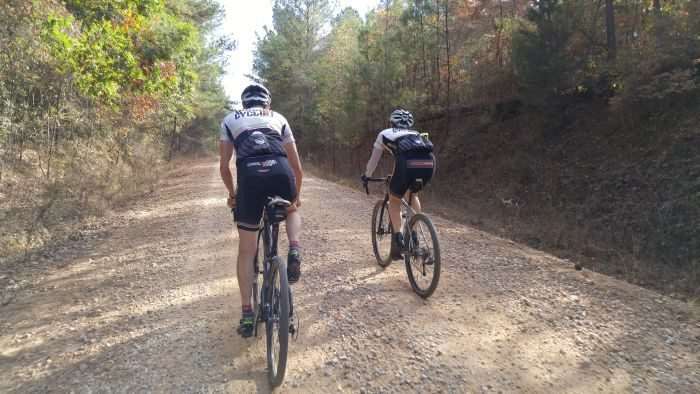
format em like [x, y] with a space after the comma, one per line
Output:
[255, 296]
[428, 291]
[277, 321]
[376, 213]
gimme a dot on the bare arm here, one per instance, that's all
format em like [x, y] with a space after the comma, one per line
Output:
[295, 163]
[225, 154]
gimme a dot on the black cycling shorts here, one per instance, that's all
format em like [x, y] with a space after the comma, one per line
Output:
[259, 178]
[411, 171]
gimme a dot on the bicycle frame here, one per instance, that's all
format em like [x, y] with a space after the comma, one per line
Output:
[404, 204]
[269, 233]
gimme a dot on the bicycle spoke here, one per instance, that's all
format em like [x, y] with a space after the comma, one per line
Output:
[381, 233]
[423, 262]
[277, 326]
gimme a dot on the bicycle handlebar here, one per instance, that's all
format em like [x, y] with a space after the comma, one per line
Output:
[370, 179]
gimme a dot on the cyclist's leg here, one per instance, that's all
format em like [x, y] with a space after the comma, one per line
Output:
[294, 254]
[397, 188]
[395, 212]
[286, 188]
[247, 245]
[293, 226]
[249, 206]
[415, 201]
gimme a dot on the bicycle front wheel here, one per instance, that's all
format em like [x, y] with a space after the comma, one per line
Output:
[381, 233]
[277, 324]
[423, 258]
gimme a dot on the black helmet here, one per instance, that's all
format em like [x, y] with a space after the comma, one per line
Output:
[255, 94]
[401, 119]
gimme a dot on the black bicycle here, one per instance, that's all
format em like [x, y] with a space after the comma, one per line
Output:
[422, 249]
[272, 302]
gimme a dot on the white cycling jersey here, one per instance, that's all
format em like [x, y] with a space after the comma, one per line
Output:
[256, 131]
[387, 138]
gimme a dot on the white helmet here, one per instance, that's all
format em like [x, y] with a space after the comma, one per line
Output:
[401, 119]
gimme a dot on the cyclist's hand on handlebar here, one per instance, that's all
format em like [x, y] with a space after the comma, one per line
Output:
[365, 182]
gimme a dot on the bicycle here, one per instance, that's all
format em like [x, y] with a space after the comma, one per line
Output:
[421, 253]
[272, 301]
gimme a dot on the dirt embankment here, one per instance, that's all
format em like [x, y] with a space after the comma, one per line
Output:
[147, 301]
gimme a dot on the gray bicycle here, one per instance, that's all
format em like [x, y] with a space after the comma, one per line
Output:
[422, 248]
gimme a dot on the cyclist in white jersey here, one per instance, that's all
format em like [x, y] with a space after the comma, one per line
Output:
[267, 164]
[414, 165]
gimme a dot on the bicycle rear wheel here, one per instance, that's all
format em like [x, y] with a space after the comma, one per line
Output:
[277, 323]
[381, 233]
[423, 258]
[255, 297]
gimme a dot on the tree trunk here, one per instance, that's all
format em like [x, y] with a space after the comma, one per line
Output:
[610, 28]
[436, 88]
[499, 31]
[20, 142]
[422, 39]
[50, 138]
[172, 139]
[386, 58]
[447, 56]
[657, 6]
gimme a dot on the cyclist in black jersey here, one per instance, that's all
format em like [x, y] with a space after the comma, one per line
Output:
[267, 164]
[414, 165]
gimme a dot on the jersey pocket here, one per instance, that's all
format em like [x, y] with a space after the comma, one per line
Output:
[420, 163]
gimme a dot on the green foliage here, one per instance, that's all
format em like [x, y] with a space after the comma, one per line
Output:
[286, 57]
[101, 59]
[93, 11]
[561, 49]
[540, 46]
[125, 48]
[93, 96]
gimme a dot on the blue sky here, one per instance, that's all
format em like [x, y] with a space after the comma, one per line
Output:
[246, 18]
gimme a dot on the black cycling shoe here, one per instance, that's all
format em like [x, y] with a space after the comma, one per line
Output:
[293, 266]
[397, 246]
[246, 326]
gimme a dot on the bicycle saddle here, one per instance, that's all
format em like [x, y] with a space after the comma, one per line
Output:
[278, 202]
[277, 208]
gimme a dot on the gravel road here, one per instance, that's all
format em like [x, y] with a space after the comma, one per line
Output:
[146, 301]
